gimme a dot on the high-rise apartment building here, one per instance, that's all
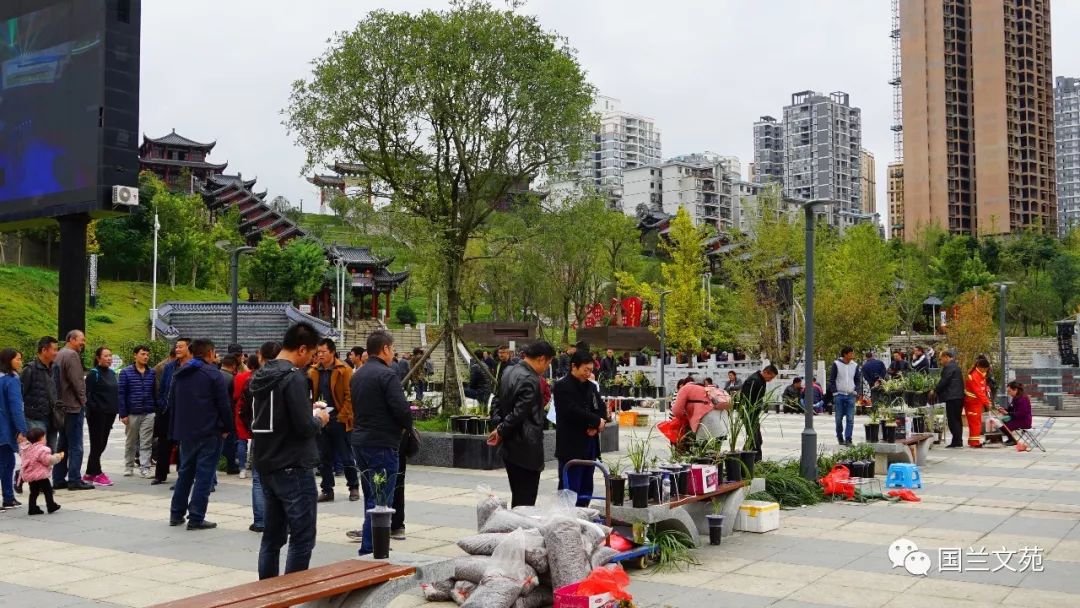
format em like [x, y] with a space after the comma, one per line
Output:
[822, 140]
[1067, 144]
[867, 182]
[895, 192]
[703, 187]
[978, 122]
[768, 151]
[623, 142]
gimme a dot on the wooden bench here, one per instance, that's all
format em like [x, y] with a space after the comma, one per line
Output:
[352, 583]
[687, 513]
[911, 449]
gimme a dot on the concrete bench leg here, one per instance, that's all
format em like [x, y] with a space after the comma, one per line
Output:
[922, 452]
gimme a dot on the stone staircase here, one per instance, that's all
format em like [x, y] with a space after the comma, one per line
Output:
[356, 333]
[408, 338]
[1032, 352]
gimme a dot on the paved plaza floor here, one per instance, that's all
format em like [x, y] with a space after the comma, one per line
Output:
[113, 546]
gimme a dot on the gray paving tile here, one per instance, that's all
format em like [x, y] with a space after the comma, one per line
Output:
[1063, 577]
[699, 598]
[966, 521]
[651, 594]
[1025, 526]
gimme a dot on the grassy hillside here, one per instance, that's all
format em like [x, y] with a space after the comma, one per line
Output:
[28, 301]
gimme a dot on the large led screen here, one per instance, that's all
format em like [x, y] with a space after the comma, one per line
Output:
[51, 104]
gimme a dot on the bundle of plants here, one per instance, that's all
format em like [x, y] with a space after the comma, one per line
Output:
[789, 488]
[674, 550]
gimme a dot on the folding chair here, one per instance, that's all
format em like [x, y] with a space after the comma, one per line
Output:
[1032, 439]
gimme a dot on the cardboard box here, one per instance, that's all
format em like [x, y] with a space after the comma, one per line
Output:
[565, 598]
[704, 478]
[758, 516]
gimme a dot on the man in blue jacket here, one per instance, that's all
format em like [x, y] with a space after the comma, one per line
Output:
[163, 450]
[201, 417]
[137, 405]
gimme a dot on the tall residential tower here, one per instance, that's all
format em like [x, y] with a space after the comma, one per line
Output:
[822, 142]
[1067, 142]
[978, 122]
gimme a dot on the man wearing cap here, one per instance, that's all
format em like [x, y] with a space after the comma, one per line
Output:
[950, 389]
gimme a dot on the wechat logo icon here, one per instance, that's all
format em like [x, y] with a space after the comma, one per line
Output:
[903, 553]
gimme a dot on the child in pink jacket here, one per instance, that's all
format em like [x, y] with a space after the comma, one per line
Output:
[37, 463]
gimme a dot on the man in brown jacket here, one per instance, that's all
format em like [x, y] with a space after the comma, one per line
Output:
[71, 380]
[330, 379]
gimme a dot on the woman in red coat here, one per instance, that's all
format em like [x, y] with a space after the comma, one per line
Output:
[976, 399]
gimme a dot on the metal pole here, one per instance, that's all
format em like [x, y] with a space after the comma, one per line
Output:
[808, 460]
[153, 297]
[1003, 395]
[233, 268]
[663, 344]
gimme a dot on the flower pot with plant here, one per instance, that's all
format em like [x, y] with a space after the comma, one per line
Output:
[872, 427]
[617, 483]
[380, 516]
[638, 477]
[716, 521]
[888, 432]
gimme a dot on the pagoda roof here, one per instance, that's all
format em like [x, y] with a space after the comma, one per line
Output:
[392, 279]
[326, 180]
[173, 139]
[193, 164]
[349, 168]
[361, 256]
[230, 180]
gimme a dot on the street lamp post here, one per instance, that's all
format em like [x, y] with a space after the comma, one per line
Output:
[663, 343]
[808, 461]
[234, 269]
[1003, 395]
[153, 297]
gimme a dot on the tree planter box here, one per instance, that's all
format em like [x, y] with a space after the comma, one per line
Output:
[473, 452]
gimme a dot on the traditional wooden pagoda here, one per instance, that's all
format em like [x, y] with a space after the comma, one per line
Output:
[346, 175]
[177, 160]
[371, 278]
[181, 163]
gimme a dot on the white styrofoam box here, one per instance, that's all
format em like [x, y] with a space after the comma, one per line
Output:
[758, 516]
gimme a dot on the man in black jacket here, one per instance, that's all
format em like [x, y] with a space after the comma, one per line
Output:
[479, 385]
[950, 389]
[39, 389]
[382, 417]
[609, 366]
[579, 420]
[753, 391]
[521, 432]
[284, 426]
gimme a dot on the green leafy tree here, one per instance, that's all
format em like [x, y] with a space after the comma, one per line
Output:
[852, 302]
[290, 274]
[971, 329]
[453, 110]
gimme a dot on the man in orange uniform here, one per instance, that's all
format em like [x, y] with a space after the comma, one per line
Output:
[976, 399]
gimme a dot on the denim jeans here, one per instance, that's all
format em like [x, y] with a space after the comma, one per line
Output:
[333, 442]
[845, 410]
[241, 453]
[7, 473]
[371, 461]
[291, 512]
[195, 477]
[69, 470]
[258, 501]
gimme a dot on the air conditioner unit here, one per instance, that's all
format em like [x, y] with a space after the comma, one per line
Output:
[125, 195]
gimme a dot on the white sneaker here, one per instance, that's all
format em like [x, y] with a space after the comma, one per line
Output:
[144, 473]
[243, 474]
[129, 472]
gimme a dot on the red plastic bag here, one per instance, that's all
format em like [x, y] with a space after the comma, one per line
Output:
[831, 485]
[673, 429]
[905, 495]
[606, 580]
[619, 543]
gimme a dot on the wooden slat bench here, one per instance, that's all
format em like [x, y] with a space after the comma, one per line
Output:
[911, 449]
[687, 514]
[322, 583]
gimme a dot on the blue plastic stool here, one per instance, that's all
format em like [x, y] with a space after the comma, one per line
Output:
[903, 475]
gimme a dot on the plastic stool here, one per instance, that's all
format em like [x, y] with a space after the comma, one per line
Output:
[903, 475]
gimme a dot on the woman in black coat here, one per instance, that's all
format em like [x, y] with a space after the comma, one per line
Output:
[579, 418]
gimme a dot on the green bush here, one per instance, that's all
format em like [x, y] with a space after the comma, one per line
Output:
[102, 318]
[406, 315]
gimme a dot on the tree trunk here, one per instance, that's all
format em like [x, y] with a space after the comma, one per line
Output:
[451, 395]
[566, 321]
[172, 273]
[194, 273]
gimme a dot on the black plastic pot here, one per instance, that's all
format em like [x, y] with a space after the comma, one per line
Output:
[918, 424]
[682, 480]
[919, 399]
[477, 426]
[618, 491]
[639, 489]
[901, 425]
[716, 528]
[862, 468]
[748, 459]
[733, 468]
[380, 531]
[889, 434]
[850, 464]
[656, 478]
[872, 433]
[458, 424]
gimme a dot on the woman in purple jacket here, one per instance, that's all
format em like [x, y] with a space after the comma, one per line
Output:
[1019, 412]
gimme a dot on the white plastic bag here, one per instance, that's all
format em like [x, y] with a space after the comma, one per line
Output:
[488, 504]
[507, 576]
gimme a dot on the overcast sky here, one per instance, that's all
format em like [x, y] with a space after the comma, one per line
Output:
[704, 70]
